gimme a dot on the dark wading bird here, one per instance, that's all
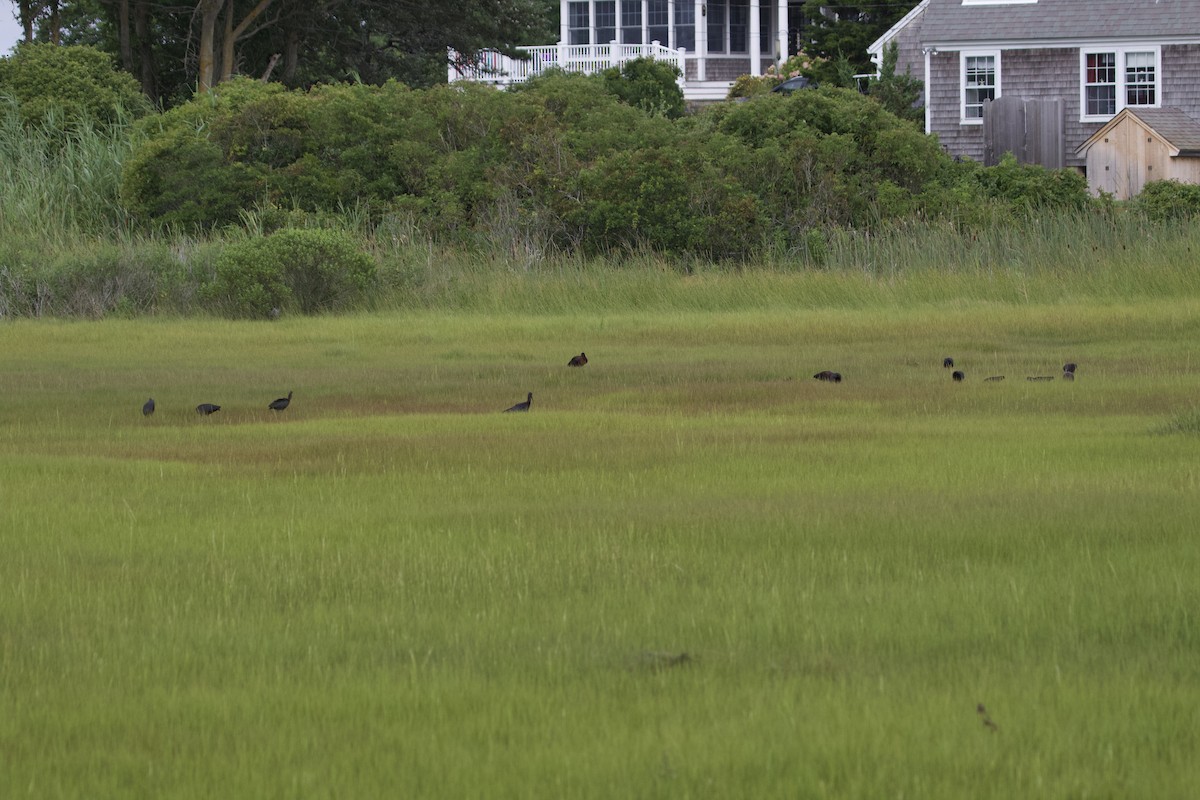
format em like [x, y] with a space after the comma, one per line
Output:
[947, 362]
[148, 408]
[521, 406]
[829, 375]
[1069, 367]
[958, 376]
[578, 361]
[207, 408]
[281, 403]
[985, 719]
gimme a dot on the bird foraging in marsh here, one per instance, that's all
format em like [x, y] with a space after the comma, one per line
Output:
[521, 406]
[1070, 367]
[987, 721]
[958, 376]
[207, 408]
[947, 362]
[281, 403]
[578, 361]
[148, 407]
[829, 375]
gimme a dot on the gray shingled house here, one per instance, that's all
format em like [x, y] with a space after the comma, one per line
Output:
[1065, 69]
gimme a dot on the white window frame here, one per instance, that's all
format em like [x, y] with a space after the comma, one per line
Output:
[1122, 52]
[963, 119]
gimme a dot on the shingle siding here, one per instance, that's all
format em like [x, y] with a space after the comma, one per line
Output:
[1181, 78]
[1044, 73]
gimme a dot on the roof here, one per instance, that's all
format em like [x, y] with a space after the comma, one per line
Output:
[877, 45]
[950, 22]
[1174, 127]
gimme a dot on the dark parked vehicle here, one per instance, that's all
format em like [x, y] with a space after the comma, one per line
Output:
[795, 84]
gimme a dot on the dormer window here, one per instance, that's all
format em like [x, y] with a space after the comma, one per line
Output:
[1115, 78]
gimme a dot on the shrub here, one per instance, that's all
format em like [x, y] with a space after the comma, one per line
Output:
[180, 178]
[1032, 187]
[649, 85]
[1163, 200]
[293, 269]
[81, 81]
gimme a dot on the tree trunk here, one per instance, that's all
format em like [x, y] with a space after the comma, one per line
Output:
[141, 30]
[55, 24]
[232, 34]
[209, 9]
[28, 11]
[291, 57]
[123, 35]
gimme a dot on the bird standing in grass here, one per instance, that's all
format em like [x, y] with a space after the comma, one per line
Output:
[958, 376]
[1070, 367]
[281, 403]
[207, 408]
[148, 407]
[947, 362]
[521, 406]
[829, 375]
[578, 361]
[987, 721]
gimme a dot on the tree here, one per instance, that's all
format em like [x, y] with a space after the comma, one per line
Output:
[899, 94]
[845, 30]
[176, 47]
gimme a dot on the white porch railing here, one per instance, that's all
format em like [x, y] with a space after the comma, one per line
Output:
[497, 68]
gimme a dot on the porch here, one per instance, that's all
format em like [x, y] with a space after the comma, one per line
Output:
[711, 42]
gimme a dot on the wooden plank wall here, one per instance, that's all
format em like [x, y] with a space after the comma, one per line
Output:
[1032, 130]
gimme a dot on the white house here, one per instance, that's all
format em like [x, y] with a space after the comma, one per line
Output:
[712, 42]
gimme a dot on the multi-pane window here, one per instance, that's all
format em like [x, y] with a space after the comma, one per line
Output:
[631, 22]
[578, 23]
[980, 83]
[716, 26]
[766, 41]
[1100, 85]
[729, 26]
[739, 22]
[1114, 79]
[606, 21]
[1140, 79]
[685, 25]
[658, 20]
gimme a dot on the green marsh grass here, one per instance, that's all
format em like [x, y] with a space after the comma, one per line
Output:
[391, 589]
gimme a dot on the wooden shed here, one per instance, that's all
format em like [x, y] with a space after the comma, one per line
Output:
[1135, 147]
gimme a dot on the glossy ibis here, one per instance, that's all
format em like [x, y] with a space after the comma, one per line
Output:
[578, 361]
[281, 403]
[829, 375]
[1069, 367]
[958, 376]
[521, 406]
[947, 362]
[207, 408]
[148, 407]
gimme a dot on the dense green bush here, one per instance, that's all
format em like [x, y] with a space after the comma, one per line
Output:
[569, 162]
[1032, 187]
[80, 81]
[293, 269]
[652, 86]
[1163, 200]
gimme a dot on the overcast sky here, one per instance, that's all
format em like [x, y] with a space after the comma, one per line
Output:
[10, 29]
